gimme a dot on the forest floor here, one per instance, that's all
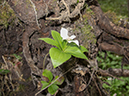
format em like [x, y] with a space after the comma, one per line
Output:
[11, 56]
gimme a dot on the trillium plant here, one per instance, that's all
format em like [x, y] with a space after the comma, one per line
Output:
[65, 47]
[64, 35]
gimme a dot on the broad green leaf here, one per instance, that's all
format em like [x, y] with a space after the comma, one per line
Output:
[57, 38]
[52, 89]
[59, 81]
[50, 41]
[48, 74]
[58, 57]
[45, 84]
[75, 51]
[83, 49]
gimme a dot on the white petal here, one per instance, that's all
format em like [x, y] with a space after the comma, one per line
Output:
[70, 41]
[76, 41]
[64, 33]
[72, 37]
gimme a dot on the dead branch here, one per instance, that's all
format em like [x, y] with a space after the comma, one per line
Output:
[118, 72]
[66, 15]
[110, 47]
[107, 25]
[27, 54]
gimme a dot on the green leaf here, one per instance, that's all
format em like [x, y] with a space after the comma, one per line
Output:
[59, 81]
[83, 49]
[45, 84]
[48, 74]
[17, 56]
[4, 71]
[77, 1]
[102, 54]
[75, 51]
[50, 41]
[58, 57]
[106, 86]
[57, 38]
[52, 89]
[64, 44]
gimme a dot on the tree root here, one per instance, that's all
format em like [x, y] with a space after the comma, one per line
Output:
[34, 69]
[66, 15]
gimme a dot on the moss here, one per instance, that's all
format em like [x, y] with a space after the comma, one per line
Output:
[89, 11]
[113, 17]
[7, 15]
[86, 36]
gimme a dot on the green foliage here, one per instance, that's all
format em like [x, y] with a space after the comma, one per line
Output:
[53, 88]
[58, 57]
[48, 74]
[111, 60]
[121, 88]
[77, 1]
[4, 71]
[74, 50]
[17, 56]
[64, 49]
[117, 6]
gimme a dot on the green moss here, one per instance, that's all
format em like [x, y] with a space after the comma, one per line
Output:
[89, 11]
[86, 33]
[88, 36]
[113, 17]
[87, 30]
[7, 15]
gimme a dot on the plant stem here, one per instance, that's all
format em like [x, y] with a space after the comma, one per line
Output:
[44, 60]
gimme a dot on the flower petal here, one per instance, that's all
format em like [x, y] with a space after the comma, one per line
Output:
[72, 37]
[64, 33]
[70, 41]
[76, 41]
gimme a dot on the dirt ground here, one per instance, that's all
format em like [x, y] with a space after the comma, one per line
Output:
[10, 47]
[10, 44]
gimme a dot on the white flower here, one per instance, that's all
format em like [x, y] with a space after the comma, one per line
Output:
[117, 56]
[64, 35]
[110, 78]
